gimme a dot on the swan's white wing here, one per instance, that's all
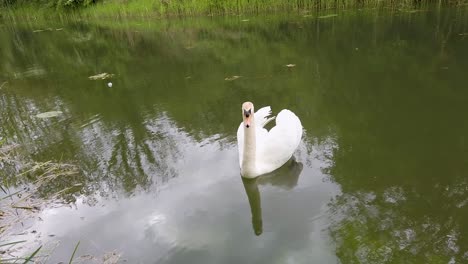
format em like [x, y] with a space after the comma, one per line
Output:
[262, 116]
[274, 148]
[261, 119]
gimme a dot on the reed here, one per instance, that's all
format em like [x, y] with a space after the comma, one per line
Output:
[144, 8]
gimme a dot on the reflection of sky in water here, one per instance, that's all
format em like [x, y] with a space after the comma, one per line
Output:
[201, 215]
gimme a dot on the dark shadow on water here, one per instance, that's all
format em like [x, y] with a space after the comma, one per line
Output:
[285, 177]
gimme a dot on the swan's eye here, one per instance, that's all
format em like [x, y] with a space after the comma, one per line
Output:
[247, 113]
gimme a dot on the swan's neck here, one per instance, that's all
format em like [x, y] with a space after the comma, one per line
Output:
[248, 159]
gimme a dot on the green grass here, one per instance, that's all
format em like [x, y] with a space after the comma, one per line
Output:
[73, 254]
[28, 259]
[158, 8]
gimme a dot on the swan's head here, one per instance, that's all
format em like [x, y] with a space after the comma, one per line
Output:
[247, 113]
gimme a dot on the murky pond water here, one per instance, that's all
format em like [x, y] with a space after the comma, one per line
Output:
[381, 175]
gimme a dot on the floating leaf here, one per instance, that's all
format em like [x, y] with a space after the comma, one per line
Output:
[47, 29]
[49, 114]
[101, 76]
[328, 16]
[232, 78]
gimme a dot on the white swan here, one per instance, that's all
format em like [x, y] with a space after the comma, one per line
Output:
[262, 151]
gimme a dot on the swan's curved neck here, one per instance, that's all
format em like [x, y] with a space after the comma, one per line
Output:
[248, 159]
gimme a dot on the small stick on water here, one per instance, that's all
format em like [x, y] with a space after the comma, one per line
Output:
[3, 189]
[74, 251]
[13, 243]
[23, 207]
[3, 84]
[8, 196]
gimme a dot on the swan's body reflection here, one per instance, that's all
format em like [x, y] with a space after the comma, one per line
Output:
[285, 177]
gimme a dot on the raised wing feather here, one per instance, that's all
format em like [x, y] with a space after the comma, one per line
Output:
[262, 116]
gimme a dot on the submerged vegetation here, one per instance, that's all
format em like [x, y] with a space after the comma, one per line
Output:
[206, 7]
[23, 195]
[26, 188]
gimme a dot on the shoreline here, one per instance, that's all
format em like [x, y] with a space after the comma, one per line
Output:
[157, 10]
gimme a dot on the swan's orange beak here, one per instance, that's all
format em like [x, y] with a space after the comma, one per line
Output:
[247, 122]
[247, 117]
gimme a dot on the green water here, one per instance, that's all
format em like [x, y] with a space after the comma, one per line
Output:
[381, 175]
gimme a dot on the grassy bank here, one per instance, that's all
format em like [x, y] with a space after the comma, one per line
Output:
[139, 8]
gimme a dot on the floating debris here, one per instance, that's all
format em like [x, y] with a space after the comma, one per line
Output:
[49, 114]
[411, 11]
[109, 84]
[101, 76]
[25, 204]
[112, 257]
[47, 29]
[93, 119]
[232, 78]
[463, 34]
[3, 84]
[82, 37]
[245, 20]
[290, 65]
[33, 71]
[328, 16]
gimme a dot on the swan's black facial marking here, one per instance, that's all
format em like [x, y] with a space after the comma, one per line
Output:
[247, 113]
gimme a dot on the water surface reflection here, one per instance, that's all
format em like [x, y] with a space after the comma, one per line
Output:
[286, 177]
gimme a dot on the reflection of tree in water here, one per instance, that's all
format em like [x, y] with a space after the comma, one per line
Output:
[132, 144]
[111, 156]
[134, 157]
[401, 164]
[401, 158]
[26, 138]
[400, 225]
